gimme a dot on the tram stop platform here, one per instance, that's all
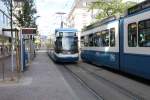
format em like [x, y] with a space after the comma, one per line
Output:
[45, 80]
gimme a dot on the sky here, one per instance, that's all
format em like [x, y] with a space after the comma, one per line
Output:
[47, 10]
[48, 19]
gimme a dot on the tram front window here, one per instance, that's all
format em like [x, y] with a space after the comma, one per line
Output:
[63, 34]
[70, 44]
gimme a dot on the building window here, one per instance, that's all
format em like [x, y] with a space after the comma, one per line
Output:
[7, 20]
[132, 35]
[84, 4]
[112, 37]
[144, 33]
[3, 18]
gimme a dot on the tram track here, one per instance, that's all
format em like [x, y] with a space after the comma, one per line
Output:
[111, 84]
[114, 85]
[84, 83]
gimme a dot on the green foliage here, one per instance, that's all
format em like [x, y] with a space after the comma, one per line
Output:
[108, 8]
[25, 17]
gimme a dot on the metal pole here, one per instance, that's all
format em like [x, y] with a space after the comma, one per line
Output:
[3, 59]
[31, 57]
[3, 69]
[12, 45]
[61, 15]
[29, 50]
[17, 51]
[21, 50]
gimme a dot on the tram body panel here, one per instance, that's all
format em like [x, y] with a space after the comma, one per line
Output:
[135, 57]
[66, 57]
[109, 59]
[103, 55]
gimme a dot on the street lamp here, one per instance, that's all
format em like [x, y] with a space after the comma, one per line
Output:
[61, 15]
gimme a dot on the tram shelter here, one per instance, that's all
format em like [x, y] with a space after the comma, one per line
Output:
[27, 46]
[14, 39]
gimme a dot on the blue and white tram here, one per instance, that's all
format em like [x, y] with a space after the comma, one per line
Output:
[135, 41]
[101, 43]
[65, 45]
[122, 44]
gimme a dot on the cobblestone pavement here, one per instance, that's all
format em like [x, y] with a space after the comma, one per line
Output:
[45, 81]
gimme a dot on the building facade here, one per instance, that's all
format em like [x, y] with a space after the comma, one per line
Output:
[5, 36]
[80, 15]
[4, 17]
[4, 24]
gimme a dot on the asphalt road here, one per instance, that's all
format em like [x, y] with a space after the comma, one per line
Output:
[109, 84]
[45, 80]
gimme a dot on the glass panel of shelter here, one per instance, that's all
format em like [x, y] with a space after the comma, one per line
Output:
[7, 46]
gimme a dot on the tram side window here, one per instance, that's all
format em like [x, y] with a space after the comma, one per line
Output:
[112, 37]
[105, 38]
[86, 41]
[95, 40]
[90, 40]
[98, 39]
[144, 33]
[82, 41]
[132, 35]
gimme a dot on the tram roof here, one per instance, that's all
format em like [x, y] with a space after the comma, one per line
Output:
[99, 23]
[139, 7]
[66, 30]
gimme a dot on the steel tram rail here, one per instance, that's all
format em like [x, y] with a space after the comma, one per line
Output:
[113, 85]
[84, 83]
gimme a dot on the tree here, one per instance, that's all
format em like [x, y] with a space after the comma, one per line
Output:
[28, 13]
[25, 17]
[108, 8]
